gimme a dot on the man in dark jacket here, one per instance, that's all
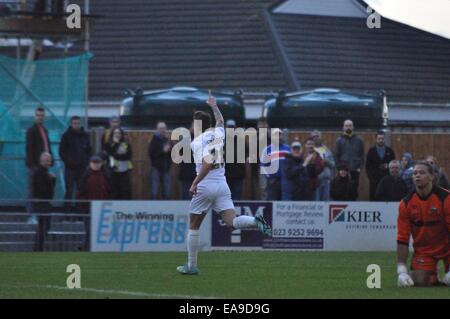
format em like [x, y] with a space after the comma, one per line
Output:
[95, 184]
[350, 152]
[43, 189]
[377, 161]
[186, 168]
[300, 172]
[235, 169]
[37, 142]
[342, 187]
[159, 152]
[258, 180]
[74, 151]
[186, 175]
[391, 188]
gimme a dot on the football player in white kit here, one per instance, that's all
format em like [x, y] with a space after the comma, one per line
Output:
[210, 189]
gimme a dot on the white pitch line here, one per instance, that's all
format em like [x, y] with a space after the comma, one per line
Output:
[126, 292]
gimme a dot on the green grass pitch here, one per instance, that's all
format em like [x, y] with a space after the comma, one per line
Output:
[224, 274]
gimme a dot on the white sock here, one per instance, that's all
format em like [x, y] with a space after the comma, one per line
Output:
[243, 221]
[192, 246]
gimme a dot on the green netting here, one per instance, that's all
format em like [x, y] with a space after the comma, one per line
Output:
[59, 86]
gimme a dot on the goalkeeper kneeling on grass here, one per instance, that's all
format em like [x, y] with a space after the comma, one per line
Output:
[425, 215]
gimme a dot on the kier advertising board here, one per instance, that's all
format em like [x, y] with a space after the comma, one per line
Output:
[361, 226]
[345, 226]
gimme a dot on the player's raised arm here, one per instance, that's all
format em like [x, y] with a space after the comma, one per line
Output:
[217, 114]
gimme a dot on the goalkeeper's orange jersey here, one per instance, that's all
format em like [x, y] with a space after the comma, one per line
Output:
[428, 221]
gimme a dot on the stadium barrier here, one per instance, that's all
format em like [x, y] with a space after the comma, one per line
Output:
[126, 226]
[39, 225]
[123, 226]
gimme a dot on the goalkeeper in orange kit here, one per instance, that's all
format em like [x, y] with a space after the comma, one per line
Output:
[425, 215]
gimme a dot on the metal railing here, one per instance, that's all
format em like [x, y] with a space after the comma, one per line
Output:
[48, 226]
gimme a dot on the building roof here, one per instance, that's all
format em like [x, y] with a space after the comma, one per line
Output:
[409, 64]
[235, 44]
[219, 44]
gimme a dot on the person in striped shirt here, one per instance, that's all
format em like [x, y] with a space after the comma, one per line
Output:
[272, 161]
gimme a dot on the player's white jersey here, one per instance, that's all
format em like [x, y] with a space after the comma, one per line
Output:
[213, 191]
[210, 142]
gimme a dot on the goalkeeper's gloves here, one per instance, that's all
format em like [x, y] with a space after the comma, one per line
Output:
[446, 279]
[404, 279]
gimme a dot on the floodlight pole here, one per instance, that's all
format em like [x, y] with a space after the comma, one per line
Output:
[86, 49]
[66, 80]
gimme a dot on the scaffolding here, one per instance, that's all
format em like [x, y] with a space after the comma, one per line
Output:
[60, 86]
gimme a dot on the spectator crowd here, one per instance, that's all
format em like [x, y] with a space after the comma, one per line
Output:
[306, 170]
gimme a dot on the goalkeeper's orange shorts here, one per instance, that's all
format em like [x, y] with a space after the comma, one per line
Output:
[429, 263]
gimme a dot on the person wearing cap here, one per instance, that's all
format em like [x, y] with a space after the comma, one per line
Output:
[301, 170]
[272, 163]
[95, 185]
[234, 171]
[343, 188]
[74, 151]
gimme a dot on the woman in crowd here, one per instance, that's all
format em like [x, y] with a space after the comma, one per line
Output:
[119, 154]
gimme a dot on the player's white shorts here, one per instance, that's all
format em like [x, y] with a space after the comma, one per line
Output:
[212, 194]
